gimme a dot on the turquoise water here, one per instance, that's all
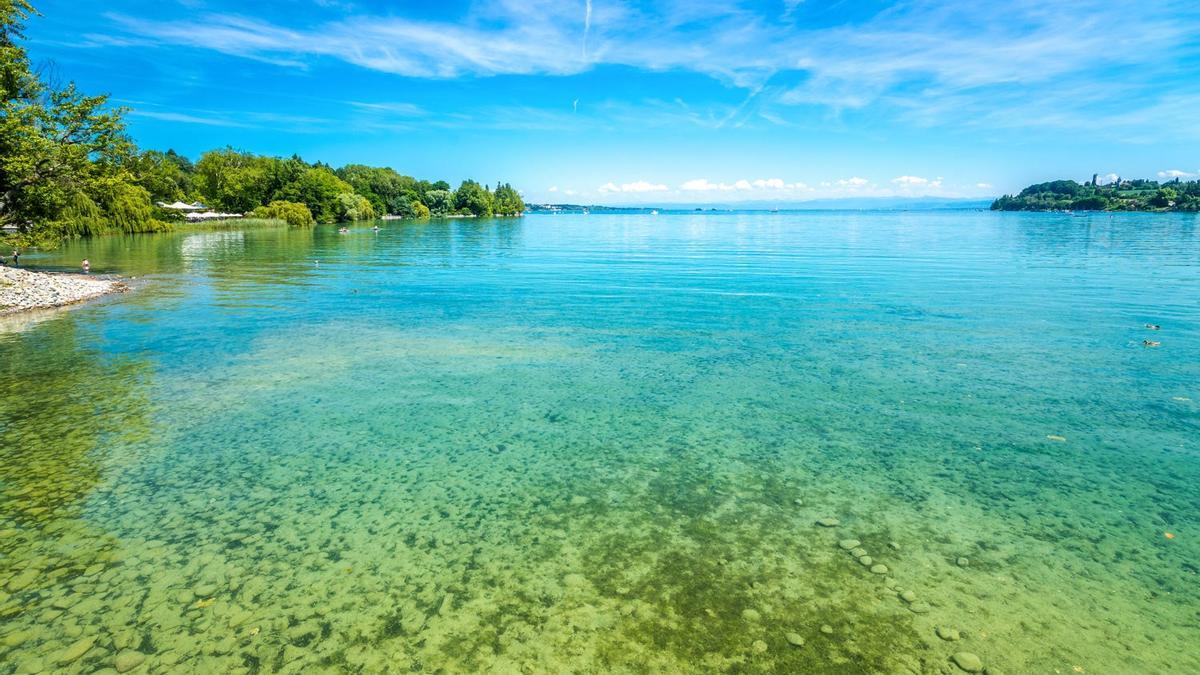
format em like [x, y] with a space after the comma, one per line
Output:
[603, 443]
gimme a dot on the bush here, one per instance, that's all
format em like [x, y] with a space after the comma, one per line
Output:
[292, 213]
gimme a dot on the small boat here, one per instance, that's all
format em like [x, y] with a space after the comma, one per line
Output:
[654, 213]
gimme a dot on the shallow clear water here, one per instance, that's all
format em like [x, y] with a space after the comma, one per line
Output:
[577, 444]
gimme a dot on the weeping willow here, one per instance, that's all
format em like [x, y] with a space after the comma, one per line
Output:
[81, 218]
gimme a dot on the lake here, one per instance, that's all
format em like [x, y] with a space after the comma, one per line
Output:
[603, 444]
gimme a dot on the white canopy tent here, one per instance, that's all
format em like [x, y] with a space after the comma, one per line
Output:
[180, 206]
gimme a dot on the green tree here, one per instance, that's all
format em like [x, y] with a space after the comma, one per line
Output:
[354, 207]
[318, 188]
[439, 202]
[473, 198]
[232, 180]
[296, 215]
[507, 201]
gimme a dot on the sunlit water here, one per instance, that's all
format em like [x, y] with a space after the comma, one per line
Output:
[601, 444]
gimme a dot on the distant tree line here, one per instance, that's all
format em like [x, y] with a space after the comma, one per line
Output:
[68, 168]
[1121, 195]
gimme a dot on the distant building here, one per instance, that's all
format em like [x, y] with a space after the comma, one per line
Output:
[1095, 179]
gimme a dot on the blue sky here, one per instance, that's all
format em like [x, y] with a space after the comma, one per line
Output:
[638, 102]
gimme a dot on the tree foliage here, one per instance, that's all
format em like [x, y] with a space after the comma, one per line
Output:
[471, 198]
[296, 215]
[1126, 195]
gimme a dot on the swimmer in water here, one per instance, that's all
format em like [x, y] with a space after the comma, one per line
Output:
[1150, 343]
[87, 266]
[1153, 326]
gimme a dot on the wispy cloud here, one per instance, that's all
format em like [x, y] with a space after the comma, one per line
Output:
[635, 187]
[1176, 173]
[742, 185]
[938, 60]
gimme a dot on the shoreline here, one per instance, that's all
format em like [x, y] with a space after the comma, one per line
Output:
[23, 290]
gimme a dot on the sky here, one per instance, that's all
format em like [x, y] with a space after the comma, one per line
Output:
[681, 101]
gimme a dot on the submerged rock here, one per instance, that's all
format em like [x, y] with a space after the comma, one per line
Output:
[848, 544]
[827, 629]
[962, 562]
[949, 634]
[908, 596]
[858, 552]
[879, 569]
[867, 561]
[759, 646]
[968, 662]
[828, 522]
[127, 660]
[795, 639]
[919, 607]
[76, 650]
[751, 614]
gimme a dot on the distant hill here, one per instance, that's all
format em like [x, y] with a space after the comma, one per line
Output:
[851, 204]
[1121, 195]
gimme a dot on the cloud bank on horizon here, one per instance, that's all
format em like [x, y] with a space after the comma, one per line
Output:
[665, 100]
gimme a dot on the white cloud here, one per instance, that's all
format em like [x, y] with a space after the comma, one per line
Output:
[854, 182]
[703, 185]
[984, 186]
[636, 186]
[552, 188]
[910, 181]
[569, 193]
[741, 185]
[1175, 173]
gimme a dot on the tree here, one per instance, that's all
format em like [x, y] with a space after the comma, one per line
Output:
[354, 207]
[507, 201]
[232, 180]
[62, 153]
[439, 202]
[473, 198]
[318, 188]
[165, 175]
[296, 215]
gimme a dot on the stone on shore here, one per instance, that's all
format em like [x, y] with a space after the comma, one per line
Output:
[22, 289]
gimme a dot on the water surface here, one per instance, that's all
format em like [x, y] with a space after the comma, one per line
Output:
[602, 443]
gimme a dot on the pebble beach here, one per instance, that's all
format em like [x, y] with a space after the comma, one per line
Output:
[22, 290]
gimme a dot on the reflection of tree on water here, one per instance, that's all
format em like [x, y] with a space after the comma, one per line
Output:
[62, 406]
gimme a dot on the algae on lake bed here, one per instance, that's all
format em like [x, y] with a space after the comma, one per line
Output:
[482, 466]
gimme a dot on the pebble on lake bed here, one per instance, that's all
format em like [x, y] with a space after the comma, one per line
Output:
[949, 634]
[879, 569]
[795, 639]
[759, 646]
[962, 562]
[828, 522]
[848, 544]
[127, 660]
[968, 662]
[826, 629]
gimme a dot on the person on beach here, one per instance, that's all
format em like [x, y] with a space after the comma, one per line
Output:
[87, 266]
[16, 258]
